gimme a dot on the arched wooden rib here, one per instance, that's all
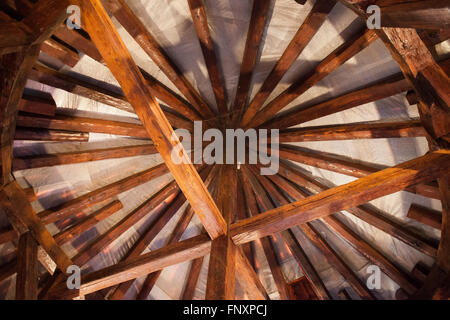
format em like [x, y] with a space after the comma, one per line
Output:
[305, 33]
[49, 160]
[363, 212]
[252, 47]
[344, 165]
[338, 57]
[382, 183]
[201, 26]
[144, 38]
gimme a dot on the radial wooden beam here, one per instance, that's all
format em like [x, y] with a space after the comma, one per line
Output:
[426, 216]
[364, 212]
[305, 264]
[343, 165]
[87, 223]
[103, 33]
[82, 124]
[252, 46]
[418, 14]
[222, 262]
[27, 268]
[34, 134]
[305, 33]
[114, 98]
[15, 202]
[104, 193]
[179, 252]
[338, 57]
[60, 52]
[191, 282]
[312, 234]
[255, 196]
[367, 130]
[352, 194]
[201, 26]
[49, 160]
[126, 17]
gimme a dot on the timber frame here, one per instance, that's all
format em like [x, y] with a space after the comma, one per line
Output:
[266, 209]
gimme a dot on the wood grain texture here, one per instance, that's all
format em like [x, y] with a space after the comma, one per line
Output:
[305, 33]
[27, 268]
[132, 82]
[200, 20]
[335, 59]
[126, 17]
[50, 160]
[36, 134]
[352, 194]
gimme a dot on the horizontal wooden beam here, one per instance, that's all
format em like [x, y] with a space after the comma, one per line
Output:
[36, 134]
[352, 194]
[49, 160]
[179, 252]
[432, 218]
[368, 130]
[83, 124]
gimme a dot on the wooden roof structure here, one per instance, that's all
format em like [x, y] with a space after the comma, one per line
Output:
[237, 207]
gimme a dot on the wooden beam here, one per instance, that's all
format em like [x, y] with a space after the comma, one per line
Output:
[343, 165]
[312, 234]
[378, 90]
[191, 283]
[364, 212]
[102, 31]
[252, 46]
[221, 279]
[305, 264]
[352, 194]
[426, 216]
[83, 124]
[14, 201]
[179, 252]
[367, 130]
[305, 33]
[49, 160]
[267, 243]
[60, 52]
[428, 79]
[418, 14]
[27, 268]
[44, 105]
[118, 292]
[201, 26]
[104, 193]
[338, 57]
[35, 134]
[87, 223]
[123, 13]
